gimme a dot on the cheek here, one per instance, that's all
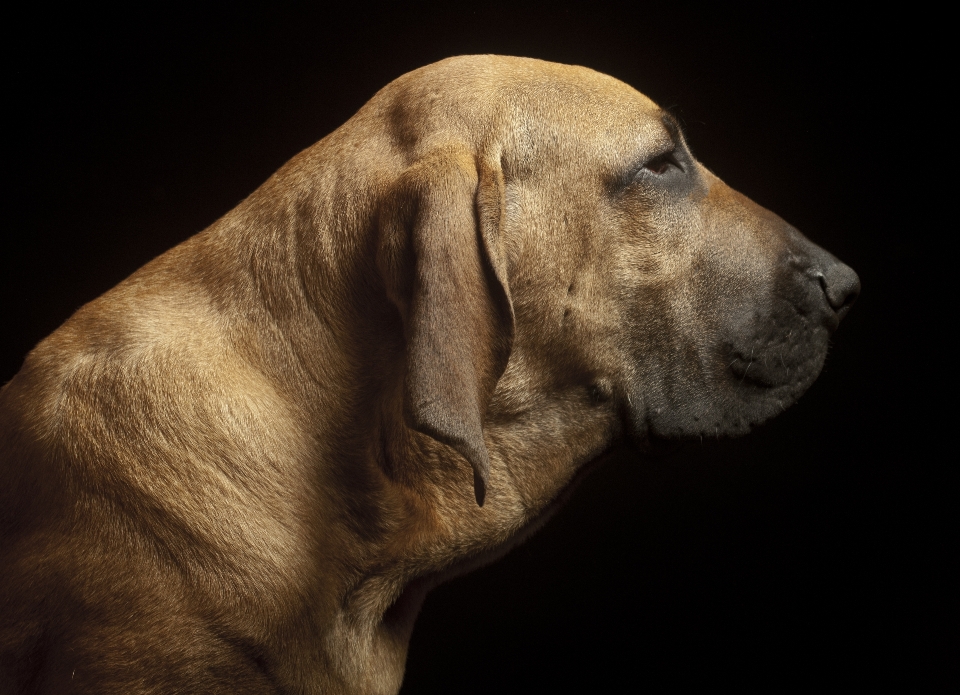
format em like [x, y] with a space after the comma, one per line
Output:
[725, 282]
[741, 301]
[723, 341]
[675, 275]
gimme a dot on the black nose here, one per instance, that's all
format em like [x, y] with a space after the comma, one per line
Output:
[841, 286]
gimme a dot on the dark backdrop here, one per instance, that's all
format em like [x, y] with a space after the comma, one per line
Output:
[817, 554]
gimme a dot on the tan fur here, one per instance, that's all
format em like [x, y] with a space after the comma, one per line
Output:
[241, 469]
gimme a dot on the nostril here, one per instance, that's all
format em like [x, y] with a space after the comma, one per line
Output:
[851, 295]
[841, 286]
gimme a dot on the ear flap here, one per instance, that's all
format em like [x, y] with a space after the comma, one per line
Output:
[439, 255]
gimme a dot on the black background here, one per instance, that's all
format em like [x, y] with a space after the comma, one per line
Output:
[817, 554]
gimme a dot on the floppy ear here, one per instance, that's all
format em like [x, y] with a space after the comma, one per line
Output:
[440, 259]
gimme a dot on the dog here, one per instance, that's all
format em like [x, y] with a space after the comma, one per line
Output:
[241, 469]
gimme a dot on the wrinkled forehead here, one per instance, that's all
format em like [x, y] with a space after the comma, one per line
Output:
[527, 112]
[572, 113]
[579, 97]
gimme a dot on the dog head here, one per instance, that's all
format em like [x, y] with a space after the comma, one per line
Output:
[578, 275]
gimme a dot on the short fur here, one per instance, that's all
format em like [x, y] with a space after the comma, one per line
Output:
[240, 470]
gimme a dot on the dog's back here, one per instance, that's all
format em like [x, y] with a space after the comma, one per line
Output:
[132, 460]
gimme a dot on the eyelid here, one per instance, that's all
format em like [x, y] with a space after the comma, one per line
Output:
[667, 158]
[664, 160]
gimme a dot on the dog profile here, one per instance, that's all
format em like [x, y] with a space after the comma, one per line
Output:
[242, 469]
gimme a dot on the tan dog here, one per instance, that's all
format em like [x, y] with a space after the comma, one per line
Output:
[240, 470]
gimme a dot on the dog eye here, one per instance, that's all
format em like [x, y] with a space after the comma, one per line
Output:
[660, 165]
